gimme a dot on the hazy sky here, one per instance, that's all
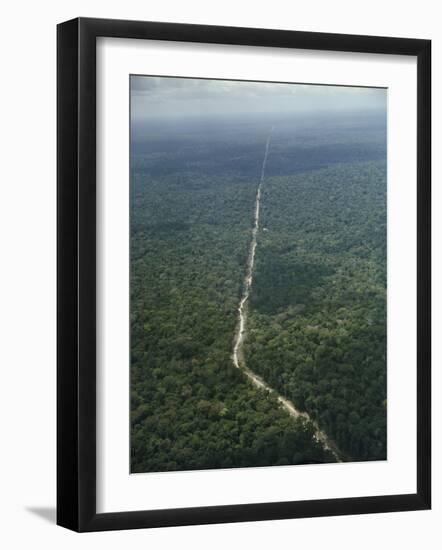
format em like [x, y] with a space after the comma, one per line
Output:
[153, 97]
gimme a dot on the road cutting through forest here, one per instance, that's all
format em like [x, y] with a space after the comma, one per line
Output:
[238, 352]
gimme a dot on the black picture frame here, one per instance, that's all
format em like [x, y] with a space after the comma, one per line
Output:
[76, 274]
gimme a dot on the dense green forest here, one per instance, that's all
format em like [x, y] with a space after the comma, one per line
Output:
[317, 313]
[317, 319]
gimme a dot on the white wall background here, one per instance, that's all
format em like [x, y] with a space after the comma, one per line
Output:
[27, 273]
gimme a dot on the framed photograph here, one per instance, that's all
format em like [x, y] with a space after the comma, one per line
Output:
[243, 274]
